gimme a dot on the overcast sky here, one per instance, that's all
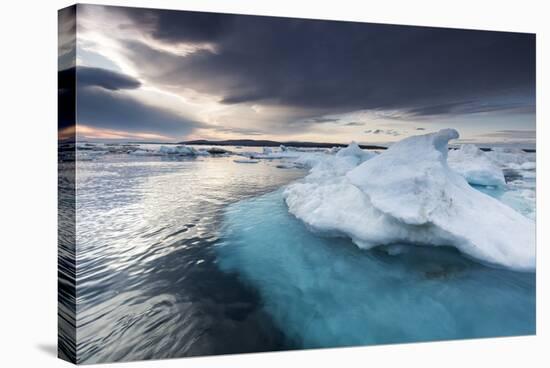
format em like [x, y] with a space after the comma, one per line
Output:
[175, 75]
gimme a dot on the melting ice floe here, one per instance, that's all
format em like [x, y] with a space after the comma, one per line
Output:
[246, 161]
[181, 150]
[475, 166]
[355, 153]
[409, 194]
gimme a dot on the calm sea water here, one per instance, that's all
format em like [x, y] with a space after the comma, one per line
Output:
[148, 283]
[184, 257]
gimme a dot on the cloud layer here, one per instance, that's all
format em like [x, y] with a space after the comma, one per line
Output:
[101, 104]
[337, 65]
[178, 73]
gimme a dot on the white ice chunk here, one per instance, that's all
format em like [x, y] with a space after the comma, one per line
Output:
[179, 150]
[354, 151]
[408, 194]
[529, 165]
[143, 152]
[249, 161]
[473, 164]
[328, 165]
[268, 154]
[510, 156]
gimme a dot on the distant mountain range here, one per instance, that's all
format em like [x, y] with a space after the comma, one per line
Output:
[267, 143]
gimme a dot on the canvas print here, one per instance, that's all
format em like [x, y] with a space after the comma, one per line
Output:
[235, 183]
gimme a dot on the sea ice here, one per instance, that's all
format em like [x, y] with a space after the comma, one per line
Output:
[326, 164]
[182, 151]
[473, 164]
[268, 154]
[408, 194]
[353, 150]
[249, 161]
[290, 165]
[178, 150]
[510, 156]
[217, 151]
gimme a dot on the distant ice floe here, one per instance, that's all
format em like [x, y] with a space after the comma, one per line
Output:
[410, 194]
[528, 165]
[246, 161]
[181, 151]
[505, 156]
[355, 152]
[268, 154]
[474, 165]
[290, 165]
[333, 162]
[514, 162]
[145, 152]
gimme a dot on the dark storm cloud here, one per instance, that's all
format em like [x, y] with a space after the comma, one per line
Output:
[194, 27]
[66, 97]
[105, 78]
[339, 66]
[65, 60]
[472, 107]
[102, 103]
[105, 109]
[325, 120]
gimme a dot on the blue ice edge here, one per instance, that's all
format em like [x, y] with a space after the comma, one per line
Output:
[325, 292]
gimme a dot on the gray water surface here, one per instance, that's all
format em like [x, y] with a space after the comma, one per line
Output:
[148, 286]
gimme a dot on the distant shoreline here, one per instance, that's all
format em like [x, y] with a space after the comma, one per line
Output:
[270, 143]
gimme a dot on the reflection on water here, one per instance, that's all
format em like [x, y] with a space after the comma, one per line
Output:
[147, 281]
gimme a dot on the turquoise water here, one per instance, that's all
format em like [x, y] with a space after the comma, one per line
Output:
[325, 292]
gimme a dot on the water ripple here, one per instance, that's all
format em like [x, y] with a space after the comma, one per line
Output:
[148, 285]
